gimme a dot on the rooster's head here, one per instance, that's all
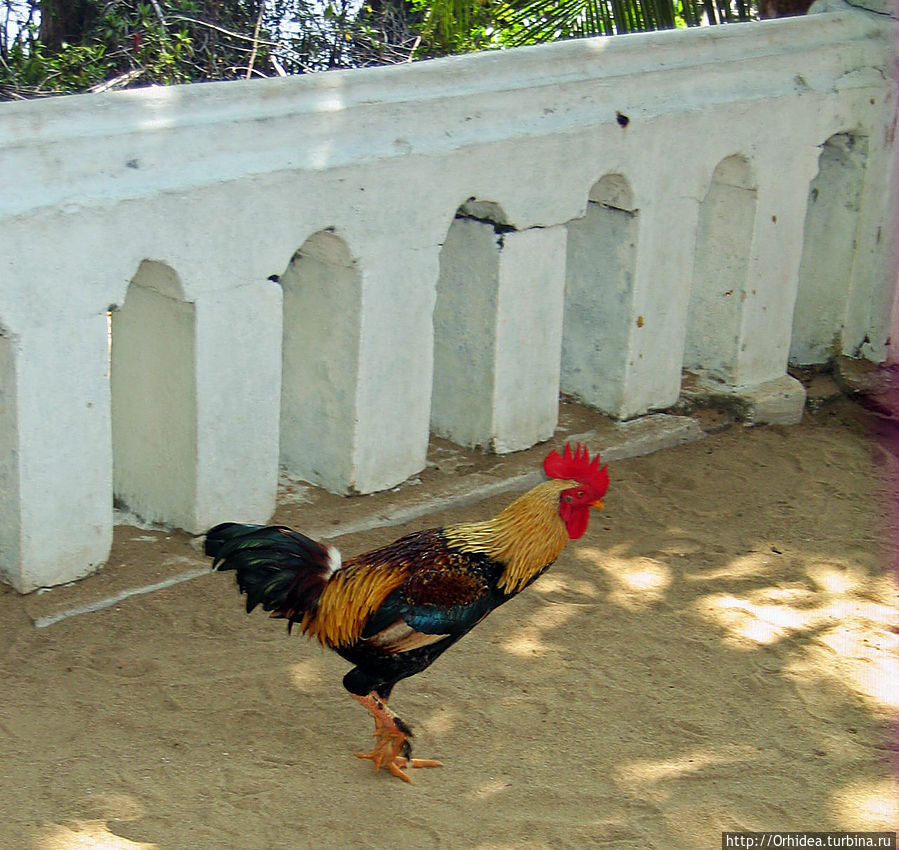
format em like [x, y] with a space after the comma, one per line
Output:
[590, 482]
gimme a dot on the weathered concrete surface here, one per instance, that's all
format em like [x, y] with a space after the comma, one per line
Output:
[777, 402]
[347, 185]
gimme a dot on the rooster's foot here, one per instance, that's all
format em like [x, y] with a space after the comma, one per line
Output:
[398, 764]
[392, 748]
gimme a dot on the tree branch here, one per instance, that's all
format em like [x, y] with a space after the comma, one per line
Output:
[158, 9]
[255, 39]
[189, 20]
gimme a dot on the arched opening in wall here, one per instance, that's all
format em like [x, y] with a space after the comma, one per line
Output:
[322, 324]
[720, 266]
[9, 473]
[153, 397]
[599, 281]
[828, 252]
[465, 324]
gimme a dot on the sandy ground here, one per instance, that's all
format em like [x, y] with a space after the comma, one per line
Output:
[717, 653]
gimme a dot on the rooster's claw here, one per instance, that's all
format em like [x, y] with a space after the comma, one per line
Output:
[392, 748]
[397, 764]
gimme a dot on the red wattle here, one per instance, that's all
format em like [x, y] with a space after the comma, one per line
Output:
[576, 522]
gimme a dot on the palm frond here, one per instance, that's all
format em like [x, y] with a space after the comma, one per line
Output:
[536, 21]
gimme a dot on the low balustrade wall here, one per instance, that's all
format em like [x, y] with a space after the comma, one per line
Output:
[201, 283]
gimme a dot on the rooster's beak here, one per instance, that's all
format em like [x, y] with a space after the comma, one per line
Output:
[597, 504]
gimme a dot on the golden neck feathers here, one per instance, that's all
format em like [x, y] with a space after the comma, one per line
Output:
[526, 537]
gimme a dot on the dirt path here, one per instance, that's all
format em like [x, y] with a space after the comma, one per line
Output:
[717, 653]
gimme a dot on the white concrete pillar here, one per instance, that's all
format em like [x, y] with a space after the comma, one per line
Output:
[651, 359]
[750, 337]
[498, 335]
[55, 459]
[772, 280]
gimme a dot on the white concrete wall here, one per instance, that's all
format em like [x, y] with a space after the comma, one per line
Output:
[600, 159]
[498, 335]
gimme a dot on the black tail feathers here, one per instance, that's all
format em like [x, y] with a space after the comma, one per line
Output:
[278, 568]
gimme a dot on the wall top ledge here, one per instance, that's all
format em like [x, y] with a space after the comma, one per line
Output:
[96, 148]
[489, 71]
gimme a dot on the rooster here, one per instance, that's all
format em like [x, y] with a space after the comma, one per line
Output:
[392, 611]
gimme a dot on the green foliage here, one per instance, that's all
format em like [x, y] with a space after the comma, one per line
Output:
[457, 26]
[451, 26]
[76, 68]
[532, 22]
[120, 43]
[140, 42]
[127, 40]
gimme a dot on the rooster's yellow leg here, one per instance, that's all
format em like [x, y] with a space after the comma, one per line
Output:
[392, 748]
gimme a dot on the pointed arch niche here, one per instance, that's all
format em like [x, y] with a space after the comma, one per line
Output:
[153, 398]
[723, 245]
[599, 281]
[828, 252]
[320, 362]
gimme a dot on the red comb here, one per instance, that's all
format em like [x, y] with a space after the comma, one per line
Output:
[578, 467]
